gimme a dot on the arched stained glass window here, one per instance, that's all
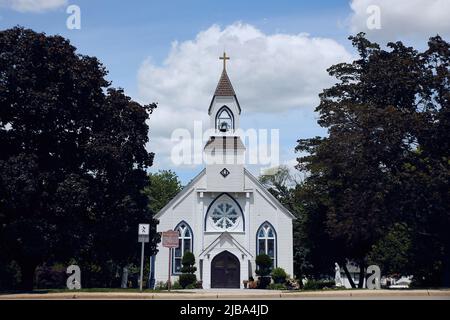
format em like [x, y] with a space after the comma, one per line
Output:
[224, 214]
[266, 242]
[185, 244]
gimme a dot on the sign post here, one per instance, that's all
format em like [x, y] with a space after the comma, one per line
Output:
[170, 240]
[143, 237]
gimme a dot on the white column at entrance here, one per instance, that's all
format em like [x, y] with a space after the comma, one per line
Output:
[207, 272]
[247, 221]
[200, 212]
[244, 270]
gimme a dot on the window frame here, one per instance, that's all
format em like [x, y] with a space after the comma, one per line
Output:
[225, 198]
[266, 240]
[181, 239]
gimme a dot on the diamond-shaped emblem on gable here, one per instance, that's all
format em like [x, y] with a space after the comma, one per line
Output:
[224, 172]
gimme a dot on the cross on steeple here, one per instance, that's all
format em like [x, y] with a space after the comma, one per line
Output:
[224, 58]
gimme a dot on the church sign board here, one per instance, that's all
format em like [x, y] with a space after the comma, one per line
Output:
[170, 239]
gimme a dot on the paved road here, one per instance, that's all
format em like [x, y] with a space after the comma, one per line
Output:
[244, 295]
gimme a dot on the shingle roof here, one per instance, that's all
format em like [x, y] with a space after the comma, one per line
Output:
[224, 87]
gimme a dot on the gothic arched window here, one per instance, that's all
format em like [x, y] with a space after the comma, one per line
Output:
[185, 244]
[224, 214]
[266, 241]
[224, 120]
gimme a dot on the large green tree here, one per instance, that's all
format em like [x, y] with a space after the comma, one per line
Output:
[386, 158]
[73, 159]
[163, 186]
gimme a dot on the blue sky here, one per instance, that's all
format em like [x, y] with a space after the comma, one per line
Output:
[134, 40]
[123, 33]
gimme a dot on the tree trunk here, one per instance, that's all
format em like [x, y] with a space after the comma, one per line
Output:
[362, 275]
[349, 277]
[27, 270]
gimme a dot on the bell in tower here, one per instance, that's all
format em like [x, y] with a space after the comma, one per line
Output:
[225, 120]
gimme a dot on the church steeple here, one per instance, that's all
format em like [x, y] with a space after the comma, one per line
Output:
[224, 152]
[224, 87]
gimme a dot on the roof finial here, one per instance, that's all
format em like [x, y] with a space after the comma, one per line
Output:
[224, 58]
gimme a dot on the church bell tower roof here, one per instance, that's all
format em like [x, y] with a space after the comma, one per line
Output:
[224, 87]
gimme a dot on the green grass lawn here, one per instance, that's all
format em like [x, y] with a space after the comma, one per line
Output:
[131, 290]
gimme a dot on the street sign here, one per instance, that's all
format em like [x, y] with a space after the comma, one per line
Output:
[170, 239]
[143, 239]
[144, 229]
[143, 236]
[144, 233]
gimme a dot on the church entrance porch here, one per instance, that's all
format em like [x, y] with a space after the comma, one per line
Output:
[225, 271]
[225, 263]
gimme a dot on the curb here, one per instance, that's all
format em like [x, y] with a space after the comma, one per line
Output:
[346, 294]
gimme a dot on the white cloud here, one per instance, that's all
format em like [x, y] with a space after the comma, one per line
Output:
[32, 5]
[412, 19]
[270, 74]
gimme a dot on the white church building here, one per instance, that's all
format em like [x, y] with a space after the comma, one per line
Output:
[224, 215]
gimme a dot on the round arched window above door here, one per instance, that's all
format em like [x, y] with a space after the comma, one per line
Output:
[224, 214]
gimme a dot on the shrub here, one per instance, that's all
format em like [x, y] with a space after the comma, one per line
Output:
[263, 282]
[9, 274]
[264, 264]
[188, 263]
[318, 284]
[176, 285]
[187, 279]
[51, 277]
[277, 286]
[161, 285]
[279, 275]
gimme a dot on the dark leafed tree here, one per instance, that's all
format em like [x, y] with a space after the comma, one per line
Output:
[315, 252]
[73, 157]
[391, 252]
[425, 178]
[385, 159]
